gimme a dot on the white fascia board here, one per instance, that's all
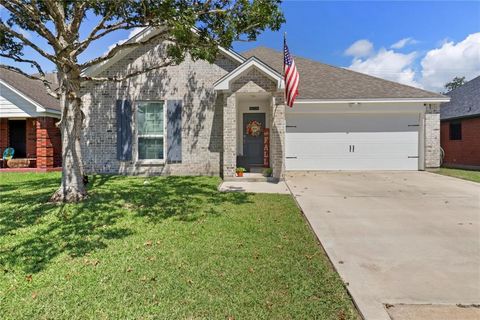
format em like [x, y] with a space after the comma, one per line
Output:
[383, 100]
[38, 107]
[142, 35]
[224, 83]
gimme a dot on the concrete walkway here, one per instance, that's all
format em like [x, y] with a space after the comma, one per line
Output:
[254, 187]
[397, 237]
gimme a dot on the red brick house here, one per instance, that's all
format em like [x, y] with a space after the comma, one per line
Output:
[27, 122]
[460, 126]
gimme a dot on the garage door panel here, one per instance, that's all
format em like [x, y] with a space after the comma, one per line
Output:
[352, 142]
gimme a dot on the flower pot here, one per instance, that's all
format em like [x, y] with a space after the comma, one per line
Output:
[239, 173]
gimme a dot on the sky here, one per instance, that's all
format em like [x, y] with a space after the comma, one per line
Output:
[419, 43]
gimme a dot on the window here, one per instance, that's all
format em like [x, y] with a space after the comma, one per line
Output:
[455, 131]
[150, 130]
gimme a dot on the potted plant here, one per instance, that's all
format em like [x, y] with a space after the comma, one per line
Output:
[267, 172]
[240, 171]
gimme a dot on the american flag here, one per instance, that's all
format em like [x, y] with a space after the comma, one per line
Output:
[290, 74]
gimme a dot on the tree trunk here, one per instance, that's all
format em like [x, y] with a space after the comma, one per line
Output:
[72, 188]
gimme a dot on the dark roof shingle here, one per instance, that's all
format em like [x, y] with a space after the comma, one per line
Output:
[33, 89]
[322, 81]
[465, 101]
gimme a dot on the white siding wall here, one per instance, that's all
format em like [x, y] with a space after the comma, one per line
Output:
[12, 105]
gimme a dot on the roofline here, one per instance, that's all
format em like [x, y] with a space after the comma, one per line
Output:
[99, 67]
[372, 100]
[38, 106]
[465, 117]
[224, 82]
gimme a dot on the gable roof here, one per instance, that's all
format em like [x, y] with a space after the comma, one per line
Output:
[143, 35]
[325, 82]
[465, 101]
[224, 82]
[31, 89]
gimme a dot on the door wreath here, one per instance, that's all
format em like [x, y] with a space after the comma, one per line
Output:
[254, 128]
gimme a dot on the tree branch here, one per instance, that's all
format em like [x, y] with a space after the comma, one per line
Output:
[94, 35]
[27, 42]
[42, 78]
[123, 46]
[34, 22]
[130, 75]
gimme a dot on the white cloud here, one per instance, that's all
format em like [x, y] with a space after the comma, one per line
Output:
[437, 67]
[360, 48]
[451, 59]
[389, 65]
[403, 42]
[132, 33]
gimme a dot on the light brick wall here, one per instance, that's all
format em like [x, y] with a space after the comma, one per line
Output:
[254, 81]
[229, 135]
[202, 115]
[432, 136]
[277, 142]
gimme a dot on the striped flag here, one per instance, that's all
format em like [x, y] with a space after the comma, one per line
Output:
[291, 75]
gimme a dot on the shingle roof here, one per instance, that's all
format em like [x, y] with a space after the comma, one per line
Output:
[33, 89]
[322, 81]
[465, 101]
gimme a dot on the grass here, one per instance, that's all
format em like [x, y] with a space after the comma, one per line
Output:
[462, 174]
[159, 248]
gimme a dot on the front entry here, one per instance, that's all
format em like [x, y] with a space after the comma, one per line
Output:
[253, 125]
[18, 137]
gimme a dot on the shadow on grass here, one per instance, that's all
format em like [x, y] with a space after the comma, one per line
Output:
[35, 231]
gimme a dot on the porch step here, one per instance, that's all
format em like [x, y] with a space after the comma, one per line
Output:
[256, 169]
[251, 177]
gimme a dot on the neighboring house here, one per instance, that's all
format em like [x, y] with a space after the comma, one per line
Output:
[27, 121]
[460, 126]
[207, 119]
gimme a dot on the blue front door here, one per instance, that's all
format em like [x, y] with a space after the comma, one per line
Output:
[253, 125]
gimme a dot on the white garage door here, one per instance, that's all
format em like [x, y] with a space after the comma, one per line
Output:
[352, 141]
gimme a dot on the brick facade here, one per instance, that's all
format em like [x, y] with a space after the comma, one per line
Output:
[43, 141]
[4, 141]
[464, 152]
[202, 115]
[432, 136]
[31, 135]
[48, 143]
[209, 118]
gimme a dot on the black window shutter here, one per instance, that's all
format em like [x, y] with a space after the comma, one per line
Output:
[174, 131]
[124, 130]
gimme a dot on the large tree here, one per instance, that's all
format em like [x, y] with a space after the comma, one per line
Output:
[190, 27]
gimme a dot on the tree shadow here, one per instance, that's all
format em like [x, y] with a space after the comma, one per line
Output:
[182, 198]
[34, 232]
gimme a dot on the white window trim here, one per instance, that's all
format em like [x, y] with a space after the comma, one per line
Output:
[164, 136]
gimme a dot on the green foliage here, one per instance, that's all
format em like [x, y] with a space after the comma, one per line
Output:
[160, 248]
[472, 175]
[267, 172]
[240, 169]
[455, 83]
[195, 27]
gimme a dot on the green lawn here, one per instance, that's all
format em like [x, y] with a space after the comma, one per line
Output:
[160, 248]
[462, 174]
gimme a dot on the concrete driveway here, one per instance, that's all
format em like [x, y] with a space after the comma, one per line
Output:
[397, 237]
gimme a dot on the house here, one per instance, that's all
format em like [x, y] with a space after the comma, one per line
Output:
[207, 119]
[460, 126]
[27, 121]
